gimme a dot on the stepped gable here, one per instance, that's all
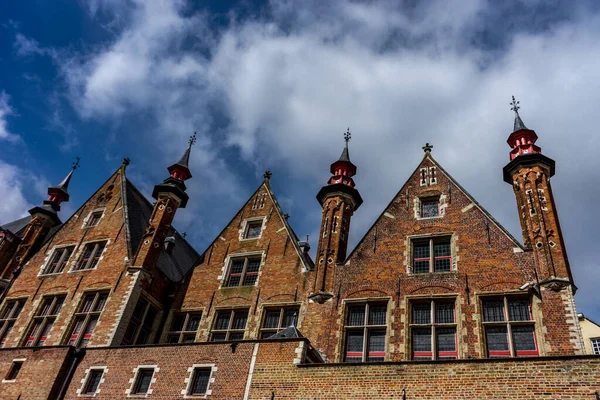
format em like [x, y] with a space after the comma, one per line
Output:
[137, 213]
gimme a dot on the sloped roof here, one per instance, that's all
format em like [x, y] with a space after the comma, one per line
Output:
[17, 227]
[137, 212]
[289, 332]
[455, 183]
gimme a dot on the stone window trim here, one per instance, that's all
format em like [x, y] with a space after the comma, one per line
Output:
[428, 197]
[247, 223]
[91, 220]
[595, 342]
[65, 258]
[223, 278]
[90, 306]
[347, 303]
[533, 321]
[435, 325]
[9, 312]
[84, 381]
[442, 297]
[229, 330]
[454, 248]
[170, 334]
[40, 327]
[130, 392]
[282, 308]
[80, 254]
[189, 380]
[18, 364]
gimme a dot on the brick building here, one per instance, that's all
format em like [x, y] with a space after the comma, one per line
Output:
[437, 300]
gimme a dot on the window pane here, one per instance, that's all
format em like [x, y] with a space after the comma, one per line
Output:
[376, 346]
[254, 229]
[421, 313]
[446, 341]
[144, 379]
[218, 337]
[430, 208]
[200, 381]
[14, 370]
[421, 250]
[178, 321]
[9, 326]
[140, 308]
[377, 314]
[421, 267]
[236, 336]
[493, 310]
[497, 341]
[272, 319]
[253, 265]
[239, 320]
[523, 338]
[441, 249]
[89, 330]
[354, 346]
[234, 280]
[596, 346]
[100, 302]
[442, 265]
[290, 318]
[223, 320]
[444, 313]
[237, 266]
[93, 381]
[356, 316]
[173, 339]
[86, 305]
[518, 310]
[188, 339]
[193, 322]
[250, 279]
[45, 309]
[57, 306]
[422, 339]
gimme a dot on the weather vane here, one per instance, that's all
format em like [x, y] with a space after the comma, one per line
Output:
[515, 105]
[193, 139]
[347, 136]
[76, 163]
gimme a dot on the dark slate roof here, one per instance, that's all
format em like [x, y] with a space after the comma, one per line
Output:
[137, 214]
[64, 185]
[17, 227]
[518, 123]
[185, 158]
[345, 155]
[289, 332]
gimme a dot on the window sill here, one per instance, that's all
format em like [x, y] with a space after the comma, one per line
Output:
[427, 218]
[53, 274]
[431, 273]
[9, 380]
[245, 240]
[81, 270]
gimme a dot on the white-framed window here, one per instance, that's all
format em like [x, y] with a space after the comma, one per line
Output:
[199, 380]
[90, 255]
[43, 320]
[58, 260]
[433, 254]
[252, 228]
[229, 325]
[13, 372]
[596, 345]
[433, 329]
[243, 271]
[94, 377]
[93, 218]
[184, 327]
[143, 378]
[8, 316]
[86, 318]
[430, 207]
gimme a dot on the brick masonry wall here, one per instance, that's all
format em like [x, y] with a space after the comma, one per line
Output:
[40, 375]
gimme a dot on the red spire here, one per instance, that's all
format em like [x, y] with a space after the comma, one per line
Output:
[343, 170]
[180, 170]
[58, 194]
[522, 140]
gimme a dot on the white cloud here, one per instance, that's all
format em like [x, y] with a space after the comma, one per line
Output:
[5, 111]
[289, 84]
[27, 46]
[14, 205]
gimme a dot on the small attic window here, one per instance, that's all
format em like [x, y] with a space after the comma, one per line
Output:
[253, 229]
[430, 207]
[93, 219]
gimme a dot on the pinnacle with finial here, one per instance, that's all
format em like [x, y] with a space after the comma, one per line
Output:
[427, 148]
[347, 136]
[518, 121]
[515, 105]
[76, 163]
[267, 175]
[192, 139]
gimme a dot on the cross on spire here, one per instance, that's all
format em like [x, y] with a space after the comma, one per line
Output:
[427, 148]
[192, 139]
[347, 136]
[76, 163]
[515, 105]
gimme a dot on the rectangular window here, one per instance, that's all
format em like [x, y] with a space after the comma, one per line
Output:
[243, 271]
[93, 381]
[14, 370]
[8, 317]
[509, 328]
[253, 229]
[596, 346]
[277, 319]
[141, 324]
[43, 320]
[86, 318]
[58, 261]
[432, 255]
[433, 330]
[430, 207]
[199, 382]
[365, 332]
[143, 381]
[229, 325]
[91, 255]
[94, 219]
[184, 327]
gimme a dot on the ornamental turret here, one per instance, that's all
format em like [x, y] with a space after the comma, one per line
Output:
[339, 199]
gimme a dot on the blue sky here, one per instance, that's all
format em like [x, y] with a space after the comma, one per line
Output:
[273, 85]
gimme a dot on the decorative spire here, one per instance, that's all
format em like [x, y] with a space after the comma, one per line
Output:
[180, 170]
[427, 148]
[60, 192]
[345, 155]
[518, 121]
[343, 170]
[126, 161]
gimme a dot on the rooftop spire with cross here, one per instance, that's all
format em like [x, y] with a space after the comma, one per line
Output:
[427, 148]
[347, 136]
[76, 163]
[514, 106]
[192, 140]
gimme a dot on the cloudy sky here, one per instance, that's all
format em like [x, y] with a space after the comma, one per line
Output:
[273, 85]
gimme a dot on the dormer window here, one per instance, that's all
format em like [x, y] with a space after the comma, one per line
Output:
[253, 229]
[93, 219]
[430, 207]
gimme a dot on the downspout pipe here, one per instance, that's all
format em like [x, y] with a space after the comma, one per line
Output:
[78, 355]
